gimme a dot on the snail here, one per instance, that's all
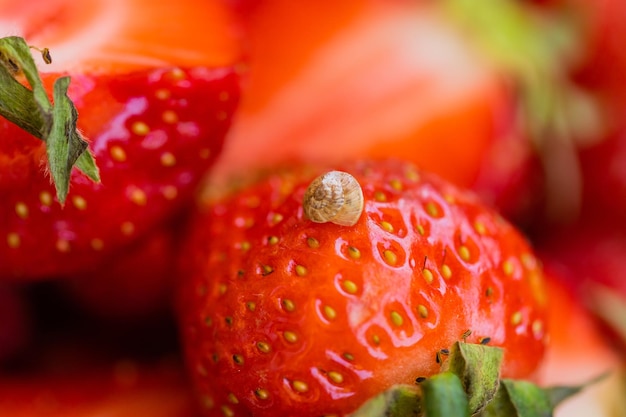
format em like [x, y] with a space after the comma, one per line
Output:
[334, 197]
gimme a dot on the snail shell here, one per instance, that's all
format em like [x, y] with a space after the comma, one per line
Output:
[334, 197]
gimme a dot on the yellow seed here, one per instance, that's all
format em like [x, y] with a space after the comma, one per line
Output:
[432, 209]
[348, 356]
[251, 305]
[138, 197]
[63, 245]
[117, 153]
[227, 411]
[388, 227]
[266, 270]
[335, 377]
[162, 94]
[45, 198]
[446, 272]
[507, 267]
[170, 192]
[354, 253]
[516, 318]
[422, 311]
[428, 275]
[127, 228]
[169, 116]
[349, 286]
[205, 153]
[97, 244]
[390, 257]
[222, 288]
[272, 240]
[412, 175]
[300, 386]
[288, 305]
[177, 74]
[13, 240]
[79, 202]
[396, 184]
[232, 398]
[330, 313]
[480, 227]
[263, 347]
[276, 218]
[261, 394]
[380, 196]
[312, 242]
[168, 159]
[140, 128]
[537, 328]
[464, 253]
[21, 210]
[245, 246]
[420, 229]
[301, 270]
[290, 337]
[376, 339]
[396, 318]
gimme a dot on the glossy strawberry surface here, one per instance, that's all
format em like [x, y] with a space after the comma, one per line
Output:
[154, 134]
[283, 316]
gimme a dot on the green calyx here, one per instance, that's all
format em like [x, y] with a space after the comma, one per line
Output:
[31, 109]
[468, 385]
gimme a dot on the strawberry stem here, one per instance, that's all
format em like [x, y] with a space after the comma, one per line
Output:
[469, 384]
[32, 111]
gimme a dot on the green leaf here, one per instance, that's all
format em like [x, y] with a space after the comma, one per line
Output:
[444, 396]
[520, 399]
[32, 111]
[398, 401]
[478, 368]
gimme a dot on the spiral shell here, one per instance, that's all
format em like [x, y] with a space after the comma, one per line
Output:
[334, 197]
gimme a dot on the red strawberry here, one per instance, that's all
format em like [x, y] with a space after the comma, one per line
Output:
[578, 352]
[404, 79]
[284, 316]
[155, 101]
[133, 284]
[120, 389]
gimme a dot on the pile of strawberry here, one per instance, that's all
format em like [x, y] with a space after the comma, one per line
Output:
[277, 208]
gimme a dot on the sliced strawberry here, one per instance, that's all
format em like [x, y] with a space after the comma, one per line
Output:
[284, 316]
[154, 134]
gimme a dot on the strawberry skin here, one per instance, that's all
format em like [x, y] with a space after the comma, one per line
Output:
[283, 316]
[154, 133]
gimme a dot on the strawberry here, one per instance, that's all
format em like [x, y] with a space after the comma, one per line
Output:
[579, 351]
[134, 284]
[280, 315]
[154, 101]
[122, 388]
[433, 82]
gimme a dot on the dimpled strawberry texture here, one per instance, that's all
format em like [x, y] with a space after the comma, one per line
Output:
[283, 316]
[154, 134]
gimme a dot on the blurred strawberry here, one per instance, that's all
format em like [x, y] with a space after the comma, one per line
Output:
[439, 83]
[123, 388]
[155, 101]
[15, 322]
[133, 284]
[579, 352]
